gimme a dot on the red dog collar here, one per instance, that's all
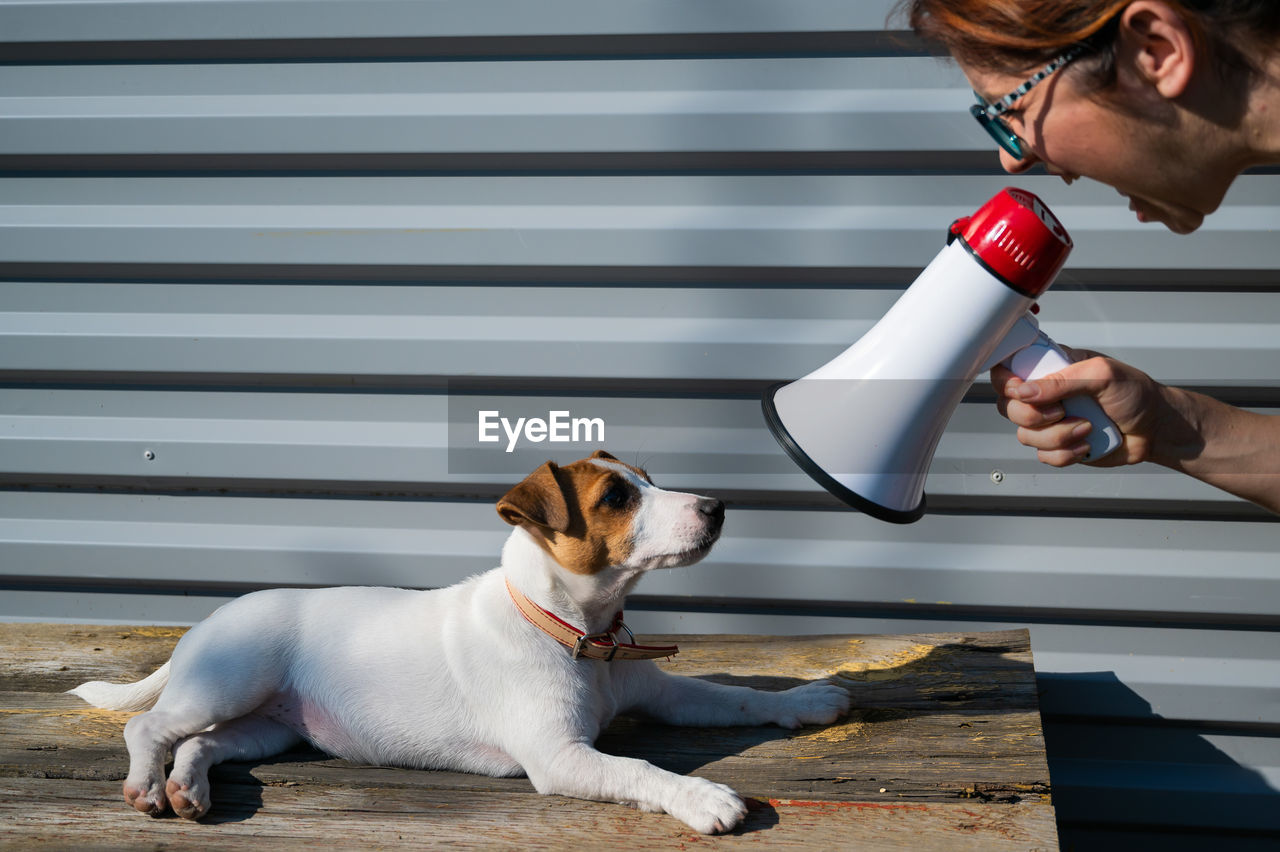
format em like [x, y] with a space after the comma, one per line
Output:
[594, 646]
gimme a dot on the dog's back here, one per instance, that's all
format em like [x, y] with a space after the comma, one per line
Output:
[347, 668]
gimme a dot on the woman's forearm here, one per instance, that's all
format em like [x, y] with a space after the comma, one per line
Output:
[1227, 447]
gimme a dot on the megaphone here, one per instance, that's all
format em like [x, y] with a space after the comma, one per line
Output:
[865, 425]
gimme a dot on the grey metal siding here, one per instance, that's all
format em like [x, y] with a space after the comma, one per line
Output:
[261, 263]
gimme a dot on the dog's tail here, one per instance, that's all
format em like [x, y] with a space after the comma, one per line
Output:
[124, 696]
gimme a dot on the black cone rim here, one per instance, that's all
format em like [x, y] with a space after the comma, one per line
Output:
[820, 476]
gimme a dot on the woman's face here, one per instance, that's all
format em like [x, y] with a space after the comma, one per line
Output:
[1153, 152]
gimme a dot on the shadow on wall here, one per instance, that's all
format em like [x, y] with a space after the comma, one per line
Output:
[1131, 770]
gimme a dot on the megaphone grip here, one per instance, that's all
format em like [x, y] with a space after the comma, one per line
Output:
[1043, 357]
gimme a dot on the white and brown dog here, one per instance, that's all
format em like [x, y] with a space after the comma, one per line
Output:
[491, 675]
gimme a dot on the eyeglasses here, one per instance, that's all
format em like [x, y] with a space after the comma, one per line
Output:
[988, 115]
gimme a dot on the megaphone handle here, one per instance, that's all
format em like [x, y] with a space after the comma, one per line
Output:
[1043, 357]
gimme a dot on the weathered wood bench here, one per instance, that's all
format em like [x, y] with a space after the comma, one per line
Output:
[943, 751]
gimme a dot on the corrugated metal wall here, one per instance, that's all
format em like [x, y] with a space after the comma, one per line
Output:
[255, 257]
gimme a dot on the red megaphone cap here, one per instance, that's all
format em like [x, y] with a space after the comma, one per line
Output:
[1018, 239]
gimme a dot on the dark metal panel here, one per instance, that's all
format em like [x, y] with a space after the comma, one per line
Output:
[1113, 771]
[427, 444]
[828, 104]
[542, 222]
[130, 20]
[1044, 571]
[549, 333]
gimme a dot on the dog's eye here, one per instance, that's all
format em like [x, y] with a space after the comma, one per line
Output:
[616, 496]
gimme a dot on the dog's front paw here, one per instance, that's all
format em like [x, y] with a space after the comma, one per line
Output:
[707, 807]
[818, 703]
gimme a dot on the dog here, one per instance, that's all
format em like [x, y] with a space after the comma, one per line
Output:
[492, 675]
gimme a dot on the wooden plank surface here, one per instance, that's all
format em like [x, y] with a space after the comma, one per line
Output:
[943, 750]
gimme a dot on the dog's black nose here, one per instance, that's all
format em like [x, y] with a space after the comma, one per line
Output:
[714, 510]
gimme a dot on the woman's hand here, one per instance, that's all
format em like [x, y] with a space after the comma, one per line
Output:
[1227, 447]
[1130, 397]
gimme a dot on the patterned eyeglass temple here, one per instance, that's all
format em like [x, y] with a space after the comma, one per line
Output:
[1002, 106]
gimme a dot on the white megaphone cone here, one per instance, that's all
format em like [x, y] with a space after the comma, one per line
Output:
[865, 424]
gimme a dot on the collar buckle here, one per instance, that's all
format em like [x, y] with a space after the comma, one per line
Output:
[605, 639]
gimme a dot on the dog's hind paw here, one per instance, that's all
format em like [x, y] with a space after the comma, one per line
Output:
[708, 807]
[145, 798]
[187, 801]
[818, 703]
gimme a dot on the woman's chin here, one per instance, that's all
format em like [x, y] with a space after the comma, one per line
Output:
[1180, 220]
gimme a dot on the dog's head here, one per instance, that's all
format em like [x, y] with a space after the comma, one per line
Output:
[600, 512]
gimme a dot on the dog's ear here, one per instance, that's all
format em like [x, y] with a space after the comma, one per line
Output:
[538, 500]
[601, 454]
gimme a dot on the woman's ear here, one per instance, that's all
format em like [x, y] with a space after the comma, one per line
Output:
[1160, 46]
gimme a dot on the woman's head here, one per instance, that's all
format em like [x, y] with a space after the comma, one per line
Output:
[1016, 35]
[1154, 100]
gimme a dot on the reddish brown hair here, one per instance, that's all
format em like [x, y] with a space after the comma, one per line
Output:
[1013, 36]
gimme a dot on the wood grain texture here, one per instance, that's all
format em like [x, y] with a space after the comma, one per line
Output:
[943, 751]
